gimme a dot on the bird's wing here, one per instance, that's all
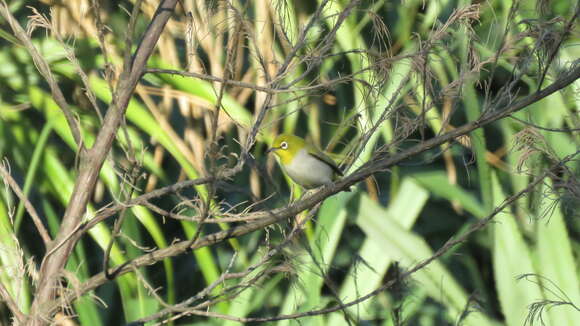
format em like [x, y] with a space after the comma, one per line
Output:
[324, 158]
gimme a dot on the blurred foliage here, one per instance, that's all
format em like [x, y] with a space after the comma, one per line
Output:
[359, 239]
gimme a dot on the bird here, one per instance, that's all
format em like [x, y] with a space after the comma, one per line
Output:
[304, 163]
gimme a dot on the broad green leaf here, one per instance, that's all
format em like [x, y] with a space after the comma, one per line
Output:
[511, 259]
[305, 295]
[555, 263]
[438, 184]
[367, 274]
[407, 248]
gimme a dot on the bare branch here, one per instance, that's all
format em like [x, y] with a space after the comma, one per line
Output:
[7, 298]
[423, 264]
[92, 160]
[27, 204]
[266, 89]
[142, 200]
[265, 218]
[527, 123]
[451, 243]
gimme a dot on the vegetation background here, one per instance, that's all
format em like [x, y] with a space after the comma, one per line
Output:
[362, 79]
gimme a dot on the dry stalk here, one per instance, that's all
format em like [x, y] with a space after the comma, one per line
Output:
[91, 160]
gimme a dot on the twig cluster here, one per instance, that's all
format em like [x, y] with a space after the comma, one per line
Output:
[50, 295]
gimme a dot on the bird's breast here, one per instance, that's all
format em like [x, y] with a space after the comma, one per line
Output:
[309, 171]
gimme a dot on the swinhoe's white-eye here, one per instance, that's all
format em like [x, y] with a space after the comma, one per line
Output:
[306, 165]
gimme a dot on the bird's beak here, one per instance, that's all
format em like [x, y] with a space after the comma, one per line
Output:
[272, 149]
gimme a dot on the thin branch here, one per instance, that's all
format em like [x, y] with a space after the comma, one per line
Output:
[527, 123]
[451, 243]
[378, 164]
[109, 73]
[119, 222]
[183, 306]
[27, 204]
[91, 162]
[213, 151]
[212, 79]
[302, 40]
[266, 89]
[7, 298]
[41, 20]
[129, 36]
[261, 115]
[107, 212]
[554, 50]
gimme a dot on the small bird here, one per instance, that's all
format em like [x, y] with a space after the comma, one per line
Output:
[305, 164]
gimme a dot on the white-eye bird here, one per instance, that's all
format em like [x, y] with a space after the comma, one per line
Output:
[306, 165]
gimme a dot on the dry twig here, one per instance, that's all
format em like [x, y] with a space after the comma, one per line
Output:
[266, 218]
[27, 204]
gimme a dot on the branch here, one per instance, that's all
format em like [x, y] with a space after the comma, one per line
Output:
[7, 298]
[107, 212]
[378, 164]
[261, 115]
[567, 29]
[533, 125]
[450, 244]
[27, 204]
[91, 162]
[185, 307]
[277, 89]
[212, 78]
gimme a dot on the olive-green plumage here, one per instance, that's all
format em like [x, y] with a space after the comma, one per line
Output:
[306, 165]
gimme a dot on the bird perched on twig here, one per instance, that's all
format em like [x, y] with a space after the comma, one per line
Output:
[304, 163]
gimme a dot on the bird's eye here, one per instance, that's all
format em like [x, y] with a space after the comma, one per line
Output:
[284, 145]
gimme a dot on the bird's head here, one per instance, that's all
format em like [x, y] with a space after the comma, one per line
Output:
[286, 147]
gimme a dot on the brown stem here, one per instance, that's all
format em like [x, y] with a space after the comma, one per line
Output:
[91, 162]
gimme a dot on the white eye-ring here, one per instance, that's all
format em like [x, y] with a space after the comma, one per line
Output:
[284, 145]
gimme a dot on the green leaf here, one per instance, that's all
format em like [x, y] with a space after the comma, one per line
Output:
[511, 259]
[306, 295]
[408, 248]
[555, 263]
[12, 272]
[366, 275]
[438, 184]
